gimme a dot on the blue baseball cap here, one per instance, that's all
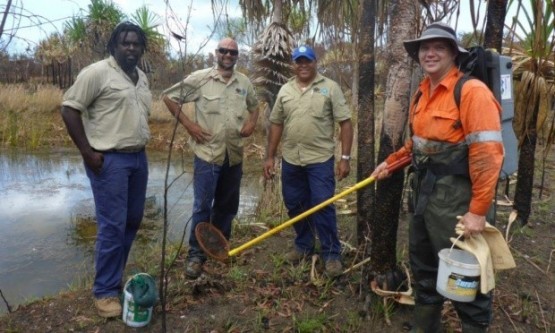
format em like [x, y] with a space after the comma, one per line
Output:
[304, 51]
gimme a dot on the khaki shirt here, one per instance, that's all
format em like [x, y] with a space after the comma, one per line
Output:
[220, 108]
[114, 110]
[308, 119]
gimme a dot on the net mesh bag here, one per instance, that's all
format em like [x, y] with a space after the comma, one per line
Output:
[212, 241]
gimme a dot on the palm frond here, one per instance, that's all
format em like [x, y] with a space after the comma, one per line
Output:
[272, 61]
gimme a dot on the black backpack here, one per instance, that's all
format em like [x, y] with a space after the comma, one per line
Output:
[480, 64]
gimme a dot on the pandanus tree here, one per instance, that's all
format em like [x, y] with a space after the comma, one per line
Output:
[149, 23]
[534, 73]
[272, 50]
[86, 36]
[102, 17]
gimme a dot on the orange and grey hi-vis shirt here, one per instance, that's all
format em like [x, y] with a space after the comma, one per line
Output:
[438, 123]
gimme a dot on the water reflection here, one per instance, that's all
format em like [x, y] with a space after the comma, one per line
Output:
[46, 216]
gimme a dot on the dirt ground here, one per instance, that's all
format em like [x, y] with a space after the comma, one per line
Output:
[259, 292]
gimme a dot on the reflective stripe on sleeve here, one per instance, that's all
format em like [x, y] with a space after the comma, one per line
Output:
[484, 136]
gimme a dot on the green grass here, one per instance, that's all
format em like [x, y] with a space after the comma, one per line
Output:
[310, 324]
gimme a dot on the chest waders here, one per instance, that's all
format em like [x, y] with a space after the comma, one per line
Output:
[441, 190]
[431, 168]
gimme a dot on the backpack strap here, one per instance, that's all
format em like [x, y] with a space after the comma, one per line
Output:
[458, 88]
[457, 95]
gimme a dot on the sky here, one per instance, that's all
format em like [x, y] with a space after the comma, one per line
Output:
[59, 11]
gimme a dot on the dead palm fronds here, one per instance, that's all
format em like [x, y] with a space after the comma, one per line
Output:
[272, 61]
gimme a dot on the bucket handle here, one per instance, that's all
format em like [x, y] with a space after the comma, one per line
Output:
[452, 245]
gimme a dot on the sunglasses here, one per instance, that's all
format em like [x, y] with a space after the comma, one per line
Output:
[225, 51]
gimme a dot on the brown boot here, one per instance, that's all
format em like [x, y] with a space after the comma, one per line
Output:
[294, 257]
[333, 268]
[108, 307]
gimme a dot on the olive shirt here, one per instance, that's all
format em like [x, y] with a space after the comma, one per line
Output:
[114, 110]
[221, 108]
[308, 119]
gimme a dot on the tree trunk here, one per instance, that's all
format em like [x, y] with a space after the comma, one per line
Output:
[356, 73]
[366, 142]
[496, 12]
[387, 205]
[278, 8]
[525, 179]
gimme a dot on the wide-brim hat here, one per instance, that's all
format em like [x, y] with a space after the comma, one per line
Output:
[435, 31]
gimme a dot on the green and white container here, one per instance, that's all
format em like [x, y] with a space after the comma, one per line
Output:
[135, 315]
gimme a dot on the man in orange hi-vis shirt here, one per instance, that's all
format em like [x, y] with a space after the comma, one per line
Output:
[457, 153]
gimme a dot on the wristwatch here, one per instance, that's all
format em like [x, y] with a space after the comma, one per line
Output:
[346, 157]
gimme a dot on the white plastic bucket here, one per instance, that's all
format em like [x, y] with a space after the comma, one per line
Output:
[134, 315]
[458, 276]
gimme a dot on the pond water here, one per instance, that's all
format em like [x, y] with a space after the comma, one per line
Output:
[41, 194]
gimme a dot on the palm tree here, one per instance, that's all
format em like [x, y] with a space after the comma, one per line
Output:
[149, 22]
[102, 18]
[340, 23]
[533, 66]
[75, 33]
[271, 52]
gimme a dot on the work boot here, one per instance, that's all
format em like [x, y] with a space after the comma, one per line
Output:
[333, 268]
[193, 269]
[294, 257]
[469, 328]
[427, 318]
[108, 307]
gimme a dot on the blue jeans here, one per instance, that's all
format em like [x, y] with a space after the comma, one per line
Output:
[119, 197]
[216, 190]
[304, 187]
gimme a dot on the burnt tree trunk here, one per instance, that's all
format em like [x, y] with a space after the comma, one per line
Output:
[525, 179]
[389, 191]
[365, 153]
[497, 10]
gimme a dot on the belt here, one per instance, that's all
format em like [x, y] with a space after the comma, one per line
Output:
[132, 149]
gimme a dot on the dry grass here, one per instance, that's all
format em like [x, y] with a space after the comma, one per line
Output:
[29, 114]
[30, 118]
[37, 98]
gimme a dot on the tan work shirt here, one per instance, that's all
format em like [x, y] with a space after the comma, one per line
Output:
[221, 108]
[308, 119]
[114, 110]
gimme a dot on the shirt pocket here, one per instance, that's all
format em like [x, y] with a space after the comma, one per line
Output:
[318, 103]
[118, 94]
[239, 105]
[289, 105]
[210, 104]
[446, 122]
